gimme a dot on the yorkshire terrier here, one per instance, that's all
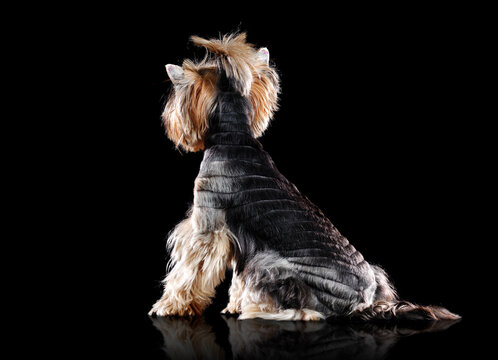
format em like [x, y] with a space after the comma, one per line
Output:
[289, 262]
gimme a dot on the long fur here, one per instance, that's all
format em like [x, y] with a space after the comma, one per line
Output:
[192, 102]
[200, 248]
[289, 261]
[190, 105]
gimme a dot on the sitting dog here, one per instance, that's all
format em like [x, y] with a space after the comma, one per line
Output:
[289, 262]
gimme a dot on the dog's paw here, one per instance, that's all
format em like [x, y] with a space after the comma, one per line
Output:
[230, 309]
[164, 307]
[311, 315]
[158, 309]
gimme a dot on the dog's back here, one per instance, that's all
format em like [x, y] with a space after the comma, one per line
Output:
[269, 217]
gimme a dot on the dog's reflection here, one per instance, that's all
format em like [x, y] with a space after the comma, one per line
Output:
[205, 338]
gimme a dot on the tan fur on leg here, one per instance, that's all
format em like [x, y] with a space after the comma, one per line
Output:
[253, 311]
[259, 305]
[200, 260]
[235, 292]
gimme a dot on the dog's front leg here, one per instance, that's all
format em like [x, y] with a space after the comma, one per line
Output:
[199, 261]
[235, 292]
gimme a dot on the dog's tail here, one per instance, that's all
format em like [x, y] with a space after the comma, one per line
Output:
[403, 310]
[387, 306]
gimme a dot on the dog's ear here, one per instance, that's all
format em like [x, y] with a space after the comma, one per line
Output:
[175, 73]
[264, 92]
[264, 55]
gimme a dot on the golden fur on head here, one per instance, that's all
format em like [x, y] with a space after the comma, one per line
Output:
[187, 111]
[186, 114]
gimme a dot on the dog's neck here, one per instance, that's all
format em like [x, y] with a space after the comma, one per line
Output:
[230, 122]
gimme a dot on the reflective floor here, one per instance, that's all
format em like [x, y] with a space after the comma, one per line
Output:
[224, 337]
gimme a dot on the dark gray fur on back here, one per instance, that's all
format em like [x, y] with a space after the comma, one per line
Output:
[267, 214]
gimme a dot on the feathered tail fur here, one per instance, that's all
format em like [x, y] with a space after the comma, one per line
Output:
[387, 305]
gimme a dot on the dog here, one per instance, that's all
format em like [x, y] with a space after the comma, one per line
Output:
[289, 261]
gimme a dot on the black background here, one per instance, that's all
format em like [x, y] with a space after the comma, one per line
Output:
[378, 125]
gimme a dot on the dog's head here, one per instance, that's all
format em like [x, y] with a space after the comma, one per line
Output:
[195, 88]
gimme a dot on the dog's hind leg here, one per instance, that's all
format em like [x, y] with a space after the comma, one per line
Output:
[272, 291]
[269, 311]
[199, 260]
